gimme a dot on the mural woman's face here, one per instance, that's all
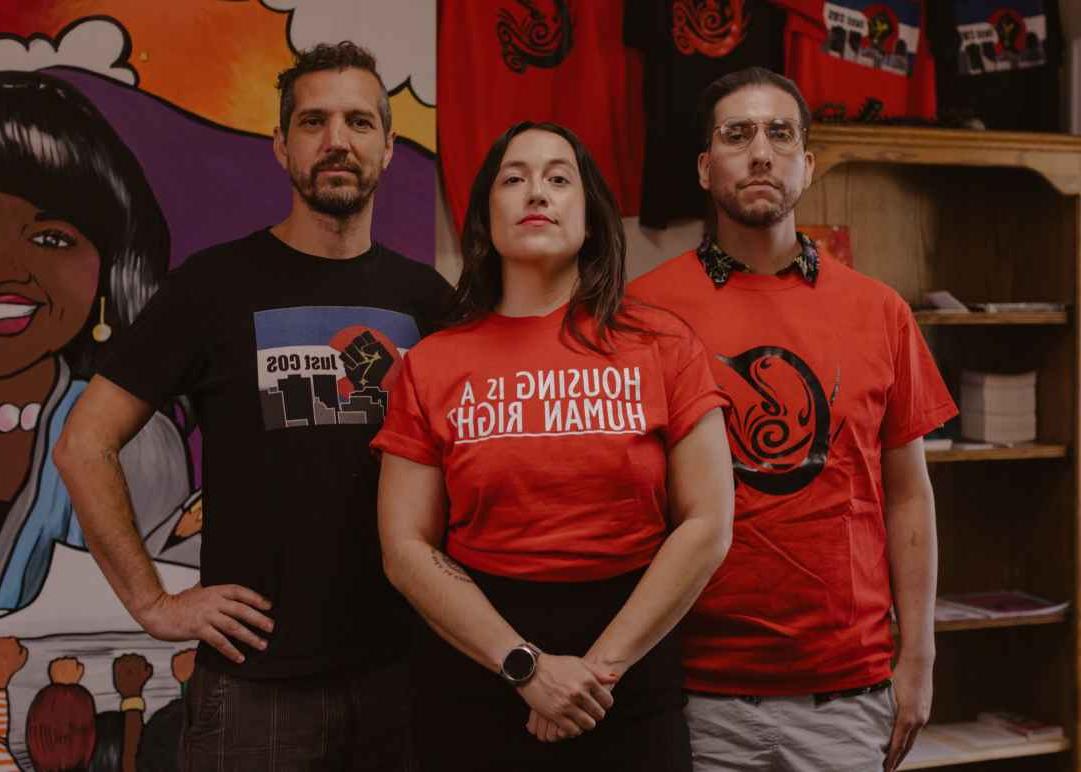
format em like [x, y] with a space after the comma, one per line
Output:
[48, 280]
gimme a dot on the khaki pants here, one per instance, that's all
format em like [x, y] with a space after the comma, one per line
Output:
[791, 734]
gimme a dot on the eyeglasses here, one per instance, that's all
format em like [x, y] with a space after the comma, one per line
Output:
[738, 133]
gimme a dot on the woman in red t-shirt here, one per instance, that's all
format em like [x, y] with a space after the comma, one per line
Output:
[556, 486]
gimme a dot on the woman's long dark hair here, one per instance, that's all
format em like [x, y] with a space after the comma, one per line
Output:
[60, 154]
[602, 270]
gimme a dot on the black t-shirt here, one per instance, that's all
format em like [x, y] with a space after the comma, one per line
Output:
[287, 358]
[687, 46]
[998, 60]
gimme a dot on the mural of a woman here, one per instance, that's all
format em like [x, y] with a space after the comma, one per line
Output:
[83, 246]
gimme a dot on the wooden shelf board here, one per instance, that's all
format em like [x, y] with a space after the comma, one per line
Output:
[1023, 748]
[1056, 157]
[1015, 453]
[985, 624]
[980, 318]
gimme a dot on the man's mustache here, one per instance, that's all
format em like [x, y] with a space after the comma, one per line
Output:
[335, 164]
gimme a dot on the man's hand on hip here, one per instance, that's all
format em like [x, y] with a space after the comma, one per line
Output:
[217, 615]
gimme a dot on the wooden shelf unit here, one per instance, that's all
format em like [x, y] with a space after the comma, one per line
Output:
[990, 217]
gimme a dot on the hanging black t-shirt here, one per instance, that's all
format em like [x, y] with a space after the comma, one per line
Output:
[998, 60]
[687, 45]
[287, 358]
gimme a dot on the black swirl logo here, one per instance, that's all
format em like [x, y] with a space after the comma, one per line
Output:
[534, 38]
[709, 27]
[780, 440]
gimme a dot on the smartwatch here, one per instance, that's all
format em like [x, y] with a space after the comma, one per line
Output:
[520, 664]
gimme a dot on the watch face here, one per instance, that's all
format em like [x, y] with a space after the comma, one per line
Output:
[519, 664]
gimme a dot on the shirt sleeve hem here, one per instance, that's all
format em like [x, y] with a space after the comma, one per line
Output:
[935, 418]
[149, 396]
[681, 424]
[406, 447]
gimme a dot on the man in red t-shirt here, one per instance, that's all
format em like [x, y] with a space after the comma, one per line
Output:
[788, 650]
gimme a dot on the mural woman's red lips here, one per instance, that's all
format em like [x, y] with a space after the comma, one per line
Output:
[16, 313]
[14, 323]
[536, 219]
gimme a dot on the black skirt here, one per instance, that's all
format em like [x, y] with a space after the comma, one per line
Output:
[468, 718]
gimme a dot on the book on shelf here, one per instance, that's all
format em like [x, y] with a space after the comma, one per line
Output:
[1006, 307]
[1004, 603]
[942, 300]
[1029, 728]
[937, 443]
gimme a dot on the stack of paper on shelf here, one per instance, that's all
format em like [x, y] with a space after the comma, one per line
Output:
[947, 611]
[998, 408]
[995, 605]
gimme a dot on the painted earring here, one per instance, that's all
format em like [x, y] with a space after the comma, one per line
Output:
[101, 332]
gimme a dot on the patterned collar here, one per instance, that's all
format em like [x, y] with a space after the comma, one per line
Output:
[719, 265]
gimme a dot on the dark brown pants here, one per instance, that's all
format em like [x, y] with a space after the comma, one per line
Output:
[467, 718]
[340, 722]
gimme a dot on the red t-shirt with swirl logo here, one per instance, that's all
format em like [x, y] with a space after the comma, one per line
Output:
[505, 61]
[822, 379]
[554, 456]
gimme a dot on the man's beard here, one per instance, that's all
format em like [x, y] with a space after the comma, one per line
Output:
[759, 216]
[340, 201]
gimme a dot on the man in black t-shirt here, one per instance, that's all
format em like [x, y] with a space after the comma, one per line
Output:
[286, 342]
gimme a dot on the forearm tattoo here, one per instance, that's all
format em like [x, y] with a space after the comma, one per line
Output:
[449, 567]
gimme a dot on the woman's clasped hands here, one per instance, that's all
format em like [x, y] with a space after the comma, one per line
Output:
[568, 696]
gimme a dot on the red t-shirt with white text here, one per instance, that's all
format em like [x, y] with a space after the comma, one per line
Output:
[822, 379]
[554, 457]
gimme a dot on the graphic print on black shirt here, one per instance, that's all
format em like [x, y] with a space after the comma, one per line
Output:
[995, 38]
[322, 366]
[998, 62]
[258, 334]
[781, 434]
[709, 28]
[535, 38]
[880, 35]
[687, 44]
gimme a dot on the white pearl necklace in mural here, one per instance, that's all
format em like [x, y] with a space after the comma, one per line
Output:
[13, 417]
